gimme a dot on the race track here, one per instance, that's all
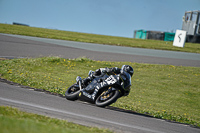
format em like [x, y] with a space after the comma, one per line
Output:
[77, 111]
[23, 46]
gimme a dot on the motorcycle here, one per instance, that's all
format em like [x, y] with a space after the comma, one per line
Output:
[101, 90]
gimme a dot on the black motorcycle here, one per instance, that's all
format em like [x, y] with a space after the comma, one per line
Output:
[102, 90]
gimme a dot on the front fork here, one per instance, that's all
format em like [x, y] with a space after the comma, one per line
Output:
[79, 81]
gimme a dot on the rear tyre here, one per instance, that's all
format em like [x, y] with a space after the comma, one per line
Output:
[107, 97]
[72, 92]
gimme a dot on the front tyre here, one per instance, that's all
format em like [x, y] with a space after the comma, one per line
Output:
[107, 97]
[72, 92]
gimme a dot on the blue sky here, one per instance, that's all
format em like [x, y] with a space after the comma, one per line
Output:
[106, 17]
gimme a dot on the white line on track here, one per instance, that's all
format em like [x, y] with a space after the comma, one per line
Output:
[79, 115]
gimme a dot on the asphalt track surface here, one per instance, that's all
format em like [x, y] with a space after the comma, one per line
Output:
[24, 46]
[77, 111]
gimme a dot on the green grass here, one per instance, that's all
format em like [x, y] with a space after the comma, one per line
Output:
[93, 38]
[15, 121]
[163, 91]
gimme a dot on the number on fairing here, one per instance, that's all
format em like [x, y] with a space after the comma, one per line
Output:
[111, 80]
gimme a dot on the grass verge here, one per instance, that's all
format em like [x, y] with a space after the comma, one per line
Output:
[15, 121]
[93, 38]
[163, 91]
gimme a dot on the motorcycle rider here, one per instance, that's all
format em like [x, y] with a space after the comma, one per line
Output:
[112, 71]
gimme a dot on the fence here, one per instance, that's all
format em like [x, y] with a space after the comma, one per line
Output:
[154, 35]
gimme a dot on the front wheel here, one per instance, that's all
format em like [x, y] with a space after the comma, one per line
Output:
[72, 92]
[107, 97]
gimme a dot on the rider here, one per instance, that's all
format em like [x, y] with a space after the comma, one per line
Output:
[114, 70]
[111, 71]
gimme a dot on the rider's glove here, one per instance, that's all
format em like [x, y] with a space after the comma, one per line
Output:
[97, 72]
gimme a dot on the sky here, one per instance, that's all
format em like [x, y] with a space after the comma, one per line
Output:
[105, 17]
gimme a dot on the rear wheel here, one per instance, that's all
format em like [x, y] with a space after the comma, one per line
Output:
[107, 97]
[72, 92]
